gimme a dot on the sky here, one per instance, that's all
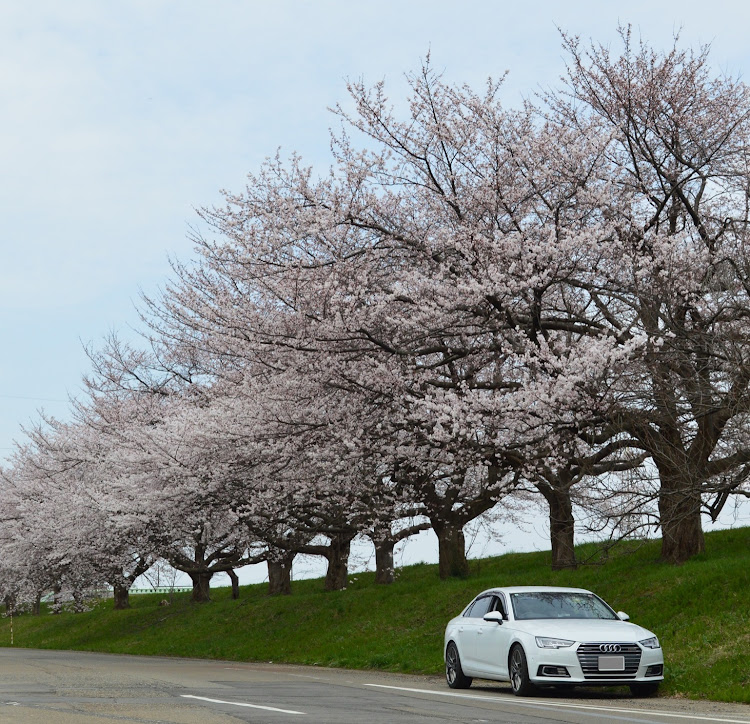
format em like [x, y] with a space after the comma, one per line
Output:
[119, 120]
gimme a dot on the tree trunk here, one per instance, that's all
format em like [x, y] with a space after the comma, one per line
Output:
[384, 569]
[280, 575]
[36, 607]
[451, 551]
[680, 514]
[56, 604]
[201, 586]
[561, 527]
[337, 574]
[121, 595]
[79, 602]
[235, 584]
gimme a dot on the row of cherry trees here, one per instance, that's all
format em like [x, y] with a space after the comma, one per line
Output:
[474, 306]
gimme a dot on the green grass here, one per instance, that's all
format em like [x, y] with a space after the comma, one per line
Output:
[700, 611]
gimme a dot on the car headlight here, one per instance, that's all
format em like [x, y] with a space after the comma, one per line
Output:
[652, 643]
[543, 642]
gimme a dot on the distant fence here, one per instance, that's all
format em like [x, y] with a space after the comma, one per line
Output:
[109, 593]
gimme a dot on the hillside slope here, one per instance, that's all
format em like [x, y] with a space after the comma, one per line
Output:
[700, 611]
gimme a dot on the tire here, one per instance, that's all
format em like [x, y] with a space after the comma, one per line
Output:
[641, 690]
[454, 674]
[519, 672]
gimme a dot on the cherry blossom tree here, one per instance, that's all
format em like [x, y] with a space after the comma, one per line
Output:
[676, 177]
[473, 302]
[74, 534]
[411, 281]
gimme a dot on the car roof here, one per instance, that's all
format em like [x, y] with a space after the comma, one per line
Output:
[532, 589]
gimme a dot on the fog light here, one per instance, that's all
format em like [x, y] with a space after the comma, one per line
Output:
[655, 670]
[552, 671]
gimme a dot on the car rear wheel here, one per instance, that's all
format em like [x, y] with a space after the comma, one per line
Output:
[644, 689]
[519, 672]
[454, 674]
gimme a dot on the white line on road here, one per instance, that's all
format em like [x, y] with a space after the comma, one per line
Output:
[307, 676]
[240, 703]
[514, 702]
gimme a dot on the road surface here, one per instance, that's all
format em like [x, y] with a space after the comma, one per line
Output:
[64, 687]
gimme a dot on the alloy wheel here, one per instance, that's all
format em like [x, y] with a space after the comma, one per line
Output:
[516, 678]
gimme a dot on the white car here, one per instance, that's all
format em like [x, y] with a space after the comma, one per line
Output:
[540, 636]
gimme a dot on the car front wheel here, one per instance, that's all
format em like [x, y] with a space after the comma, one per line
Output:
[519, 672]
[454, 674]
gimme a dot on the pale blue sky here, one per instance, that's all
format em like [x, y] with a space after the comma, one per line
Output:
[118, 119]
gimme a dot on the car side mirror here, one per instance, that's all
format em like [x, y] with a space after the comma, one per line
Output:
[495, 616]
[623, 616]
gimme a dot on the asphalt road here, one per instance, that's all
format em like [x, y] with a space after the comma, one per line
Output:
[63, 687]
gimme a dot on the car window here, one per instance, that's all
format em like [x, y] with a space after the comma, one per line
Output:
[481, 606]
[554, 604]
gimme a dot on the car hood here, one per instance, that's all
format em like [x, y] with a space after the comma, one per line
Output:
[584, 629]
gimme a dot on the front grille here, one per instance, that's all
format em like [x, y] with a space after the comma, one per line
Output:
[588, 657]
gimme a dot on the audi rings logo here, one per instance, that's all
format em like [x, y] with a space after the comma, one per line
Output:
[610, 648]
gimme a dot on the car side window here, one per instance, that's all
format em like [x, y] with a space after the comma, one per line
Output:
[481, 606]
[467, 612]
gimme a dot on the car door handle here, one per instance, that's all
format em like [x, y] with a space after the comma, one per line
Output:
[480, 632]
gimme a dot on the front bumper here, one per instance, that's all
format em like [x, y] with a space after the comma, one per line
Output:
[586, 663]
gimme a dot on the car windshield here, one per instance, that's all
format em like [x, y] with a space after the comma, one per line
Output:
[548, 604]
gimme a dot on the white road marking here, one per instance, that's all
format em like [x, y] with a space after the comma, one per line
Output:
[240, 703]
[514, 702]
[307, 676]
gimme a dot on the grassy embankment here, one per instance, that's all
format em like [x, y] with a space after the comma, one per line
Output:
[700, 611]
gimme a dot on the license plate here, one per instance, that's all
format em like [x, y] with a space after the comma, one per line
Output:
[611, 663]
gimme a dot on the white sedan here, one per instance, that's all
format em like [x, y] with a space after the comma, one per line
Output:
[535, 636]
